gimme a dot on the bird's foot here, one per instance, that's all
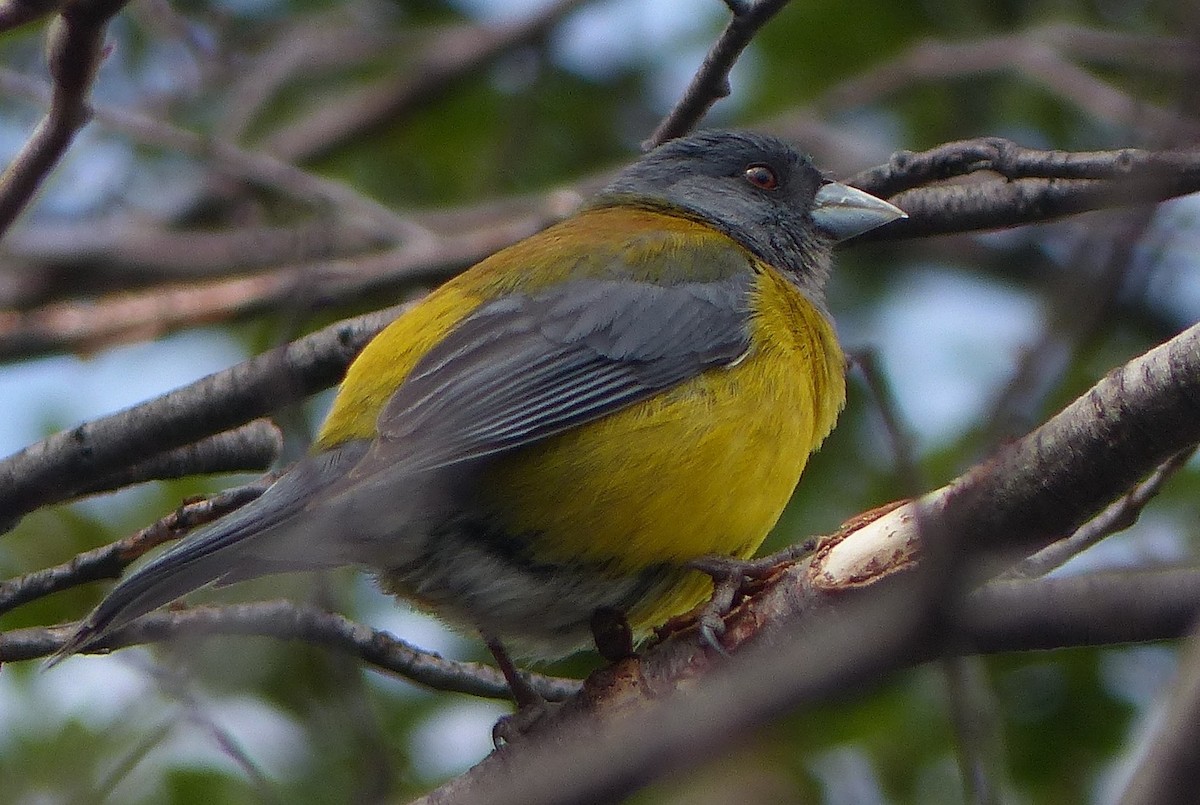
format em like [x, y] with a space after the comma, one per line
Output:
[730, 577]
[532, 708]
[510, 729]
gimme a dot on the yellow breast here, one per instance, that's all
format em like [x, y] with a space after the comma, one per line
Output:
[705, 468]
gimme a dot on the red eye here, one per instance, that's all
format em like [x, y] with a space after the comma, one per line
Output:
[762, 176]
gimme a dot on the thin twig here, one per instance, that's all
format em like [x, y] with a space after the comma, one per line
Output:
[122, 248]
[457, 54]
[176, 686]
[1083, 302]
[101, 791]
[286, 620]
[977, 734]
[75, 48]
[711, 82]
[1168, 771]
[899, 438]
[243, 164]
[376, 768]
[1049, 49]
[1171, 54]
[108, 561]
[1037, 61]
[1117, 517]
[300, 48]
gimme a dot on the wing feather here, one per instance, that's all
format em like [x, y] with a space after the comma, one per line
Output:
[529, 366]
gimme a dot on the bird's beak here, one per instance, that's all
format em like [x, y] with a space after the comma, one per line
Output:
[842, 212]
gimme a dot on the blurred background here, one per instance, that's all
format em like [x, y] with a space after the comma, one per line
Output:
[167, 245]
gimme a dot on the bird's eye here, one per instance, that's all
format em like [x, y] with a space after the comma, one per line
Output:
[762, 176]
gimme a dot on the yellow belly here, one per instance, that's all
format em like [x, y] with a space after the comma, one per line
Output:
[705, 468]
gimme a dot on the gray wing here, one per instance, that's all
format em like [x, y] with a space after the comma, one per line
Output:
[526, 367]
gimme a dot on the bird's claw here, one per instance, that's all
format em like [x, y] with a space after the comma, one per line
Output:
[729, 577]
[712, 626]
[512, 728]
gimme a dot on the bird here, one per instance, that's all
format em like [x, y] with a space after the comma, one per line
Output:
[551, 439]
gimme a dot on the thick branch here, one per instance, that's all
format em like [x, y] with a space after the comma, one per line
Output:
[1088, 610]
[46, 471]
[1050, 482]
[852, 601]
[1119, 516]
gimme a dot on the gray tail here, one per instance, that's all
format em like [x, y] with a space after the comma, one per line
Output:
[243, 545]
[160, 582]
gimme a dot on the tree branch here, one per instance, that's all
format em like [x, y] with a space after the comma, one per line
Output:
[1033, 56]
[14, 13]
[855, 598]
[108, 561]
[285, 620]
[47, 471]
[251, 448]
[1119, 516]
[243, 164]
[74, 50]
[710, 83]
[1169, 768]
[1036, 186]
[1097, 609]
[907, 169]
[84, 326]
[125, 249]
[1044, 199]
[449, 59]
[1040, 186]
[1002, 204]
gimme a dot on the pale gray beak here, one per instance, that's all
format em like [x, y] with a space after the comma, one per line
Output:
[842, 212]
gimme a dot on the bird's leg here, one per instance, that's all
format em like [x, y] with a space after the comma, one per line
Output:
[523, 693]
[531, 707]
[729, 576]
[610, 630]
